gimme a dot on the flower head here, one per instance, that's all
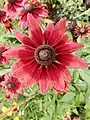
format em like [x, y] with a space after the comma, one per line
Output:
[3, 60]
[13, 5]
[84, 30]
[43, 57]
[34, 8]
[2, 15]
[12, 86]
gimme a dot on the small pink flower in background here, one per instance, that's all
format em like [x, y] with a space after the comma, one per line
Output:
[12, 86]
[84, 30]
[43, 57]
[3, 60]
[35, 8]
[2, 15]
[13, 5]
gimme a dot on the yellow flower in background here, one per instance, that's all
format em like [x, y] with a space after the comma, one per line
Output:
[4, 109]
[14, 103]
[16, 118]
[54, 5]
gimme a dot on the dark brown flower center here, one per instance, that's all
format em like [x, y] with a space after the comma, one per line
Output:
[10, 85]
[11, 1]
[82, 30]
[29, 8]
[45, 55]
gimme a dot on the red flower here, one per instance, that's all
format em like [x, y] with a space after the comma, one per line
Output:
[2, 15]
[12, 86]
[84, 30]
[8, 25]
[35, 8]
[43, 57]
[3, 59]
[13, 5]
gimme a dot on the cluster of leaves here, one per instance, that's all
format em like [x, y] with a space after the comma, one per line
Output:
[54, 106]
[71, 9]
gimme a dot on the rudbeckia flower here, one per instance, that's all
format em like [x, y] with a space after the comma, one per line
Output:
[34, 8]
[12, 86]
[13, 5]
[43, 57]
[3, 60]
[84, 30]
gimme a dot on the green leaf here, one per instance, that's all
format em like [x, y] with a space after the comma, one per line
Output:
[81, 85]
[69, 34]
[67, 97]
[85, 74]
[87, 59]
[87, 106]
[80, 2]
[46, 118]
[75, 111]
[87, 12]
[51, 109]
[80, 98]
[79, 39]
[75, 75]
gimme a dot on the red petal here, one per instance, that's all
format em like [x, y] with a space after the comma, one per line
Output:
[41, 12]
[38, 18]
[23, 21]
[63, 40]
[32, 78]
[23, 52]
[23, 38]
[35, 31]
[59, 76]
[26, 69]
[70, 47]
[61, 26]
[71, 61]
[44, 81]
[48, 31]
[54, 37]
[18, 64]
